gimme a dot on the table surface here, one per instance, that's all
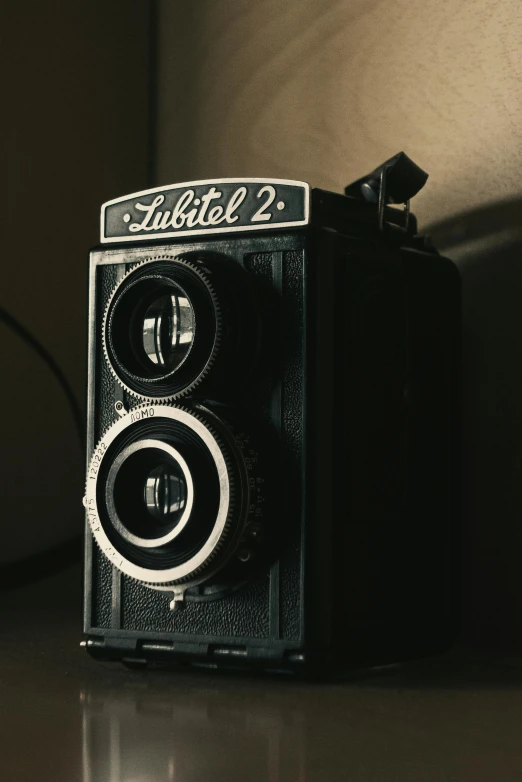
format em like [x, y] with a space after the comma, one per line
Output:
[65, 717]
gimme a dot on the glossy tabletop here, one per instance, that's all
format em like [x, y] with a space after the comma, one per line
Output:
[67, 718]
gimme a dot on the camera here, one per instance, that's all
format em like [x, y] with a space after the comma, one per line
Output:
[273, 398]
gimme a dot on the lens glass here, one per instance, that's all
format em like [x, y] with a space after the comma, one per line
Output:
[148, 493]
[167, 330]
[165, 493]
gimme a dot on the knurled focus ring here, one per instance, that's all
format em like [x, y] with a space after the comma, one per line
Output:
[162, 272]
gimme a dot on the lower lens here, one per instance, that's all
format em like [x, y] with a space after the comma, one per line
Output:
[169, 494]
[165, 494]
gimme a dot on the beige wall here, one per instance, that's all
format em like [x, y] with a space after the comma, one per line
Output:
[324, 91]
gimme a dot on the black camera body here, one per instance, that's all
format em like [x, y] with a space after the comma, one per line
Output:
[272, 430]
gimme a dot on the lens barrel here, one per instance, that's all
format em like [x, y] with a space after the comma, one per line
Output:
[170, 492]
[172, 323]
[149, 492]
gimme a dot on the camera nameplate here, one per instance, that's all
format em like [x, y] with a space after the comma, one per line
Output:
[213, 206]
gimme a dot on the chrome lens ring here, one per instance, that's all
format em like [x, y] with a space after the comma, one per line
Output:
[219, 526]
[130, 450]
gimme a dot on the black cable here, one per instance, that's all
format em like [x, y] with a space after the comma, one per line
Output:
[26, 336]
[46, 562]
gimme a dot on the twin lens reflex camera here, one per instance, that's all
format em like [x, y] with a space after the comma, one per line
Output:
[272, 427]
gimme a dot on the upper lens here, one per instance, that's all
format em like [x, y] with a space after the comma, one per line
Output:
[161, 328]
[167, 330]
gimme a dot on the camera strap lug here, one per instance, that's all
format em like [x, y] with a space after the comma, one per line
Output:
[120, 408]
[178, 598]
[382, 200]
[178, 595]
[396, 181]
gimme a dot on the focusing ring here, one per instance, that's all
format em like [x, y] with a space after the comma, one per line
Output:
[138, 286]
[221, 504]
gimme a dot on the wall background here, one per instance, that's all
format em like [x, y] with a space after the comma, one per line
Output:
[110, 98]
[325, 91]
[75, 131]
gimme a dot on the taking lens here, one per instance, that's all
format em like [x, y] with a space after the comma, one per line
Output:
[165, 493]
[149, 493]
[169, 494]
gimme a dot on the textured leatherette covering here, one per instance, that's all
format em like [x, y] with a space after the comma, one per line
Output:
[269, 607]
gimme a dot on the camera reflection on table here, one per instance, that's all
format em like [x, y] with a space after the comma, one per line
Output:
[137, 734]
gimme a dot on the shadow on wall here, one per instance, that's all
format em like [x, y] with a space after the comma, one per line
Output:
[486, 244]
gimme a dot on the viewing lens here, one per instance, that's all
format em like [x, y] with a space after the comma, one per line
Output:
[168, 330]
[162, 328]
